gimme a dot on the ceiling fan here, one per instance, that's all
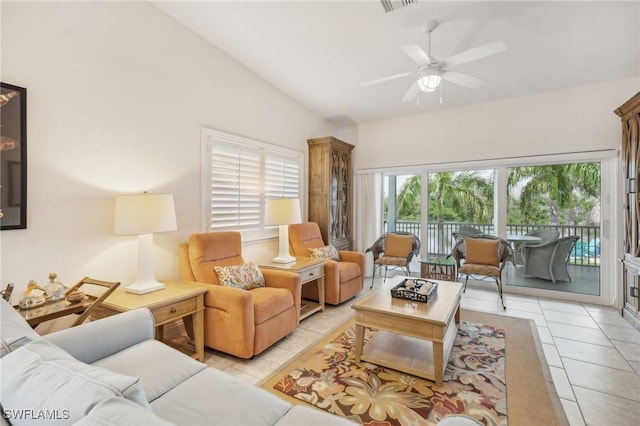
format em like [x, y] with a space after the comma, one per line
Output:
[431, 72]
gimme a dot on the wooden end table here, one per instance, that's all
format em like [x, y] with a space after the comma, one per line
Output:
[310, 270]
[413, 337]
[176, 301]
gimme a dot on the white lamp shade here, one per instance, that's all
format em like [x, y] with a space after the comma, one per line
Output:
[283, 211]
[144, 214]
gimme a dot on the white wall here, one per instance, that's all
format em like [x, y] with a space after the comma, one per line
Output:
[578, 119]
[117, 95]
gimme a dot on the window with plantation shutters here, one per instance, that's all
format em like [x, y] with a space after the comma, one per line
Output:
[239, 175]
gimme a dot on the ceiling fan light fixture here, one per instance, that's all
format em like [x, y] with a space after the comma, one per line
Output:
[429, 81]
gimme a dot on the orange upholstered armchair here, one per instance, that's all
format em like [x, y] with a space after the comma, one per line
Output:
[343, 279]
[238, 321]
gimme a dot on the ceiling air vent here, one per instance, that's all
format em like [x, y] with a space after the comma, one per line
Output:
[391, 5]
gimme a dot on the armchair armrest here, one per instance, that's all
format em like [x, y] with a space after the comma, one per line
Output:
[288, 280]
[98, 339]
[331, 272]
[232, 300]
[353, 257]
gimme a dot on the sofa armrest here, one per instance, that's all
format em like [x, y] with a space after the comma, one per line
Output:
[285, 279]
[98, 339]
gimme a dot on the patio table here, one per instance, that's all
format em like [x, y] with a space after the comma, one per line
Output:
[523, 238]
[517, 241]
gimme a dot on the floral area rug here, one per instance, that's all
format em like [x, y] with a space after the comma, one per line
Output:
[474, 383]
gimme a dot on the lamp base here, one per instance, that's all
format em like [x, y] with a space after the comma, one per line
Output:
[283, 259]
[144, 287]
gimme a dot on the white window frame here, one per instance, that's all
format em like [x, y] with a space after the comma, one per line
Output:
[268, 185]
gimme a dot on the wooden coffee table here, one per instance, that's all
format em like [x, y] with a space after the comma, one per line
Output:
[413, 337]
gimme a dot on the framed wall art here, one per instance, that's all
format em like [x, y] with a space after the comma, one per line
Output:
[13, 156]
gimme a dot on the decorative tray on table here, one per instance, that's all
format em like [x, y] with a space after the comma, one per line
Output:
[416, 289]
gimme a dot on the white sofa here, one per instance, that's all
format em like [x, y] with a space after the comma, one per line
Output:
[113, 372]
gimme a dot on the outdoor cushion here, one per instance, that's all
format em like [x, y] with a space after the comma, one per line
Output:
[392, 261]
[482, 251]
[476, 269]
[398, 245]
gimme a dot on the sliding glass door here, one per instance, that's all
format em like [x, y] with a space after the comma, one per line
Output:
[458, 199]
[555, 207]
[553, 219]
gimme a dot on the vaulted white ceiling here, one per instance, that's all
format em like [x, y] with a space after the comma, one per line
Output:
[319, 52]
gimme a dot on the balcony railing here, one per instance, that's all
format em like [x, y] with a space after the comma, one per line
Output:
[440, 241]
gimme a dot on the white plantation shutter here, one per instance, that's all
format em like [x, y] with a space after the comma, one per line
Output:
[235, 187]
[239, 174]
[281, 175]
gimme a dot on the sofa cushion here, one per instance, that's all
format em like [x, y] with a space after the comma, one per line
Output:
[214, 397]
[327, 252]
[245, 276]
[116, 332]
[307, 416]
[146, 359]
[40, 376]
[269, 302]
[14, 330]
[116, 411]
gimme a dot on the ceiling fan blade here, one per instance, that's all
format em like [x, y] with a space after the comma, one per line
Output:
[416, 53]
[387, 78]
[464, 80]
[412, 92]
[476, 53]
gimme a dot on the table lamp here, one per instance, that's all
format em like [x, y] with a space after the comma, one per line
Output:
[143, 215]
[283, 212]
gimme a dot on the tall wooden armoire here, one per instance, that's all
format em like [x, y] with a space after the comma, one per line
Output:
[330, 190]
[629, 112]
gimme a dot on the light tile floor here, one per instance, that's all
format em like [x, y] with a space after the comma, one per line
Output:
[592, 352]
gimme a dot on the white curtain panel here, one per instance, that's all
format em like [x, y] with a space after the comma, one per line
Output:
[369, 209]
